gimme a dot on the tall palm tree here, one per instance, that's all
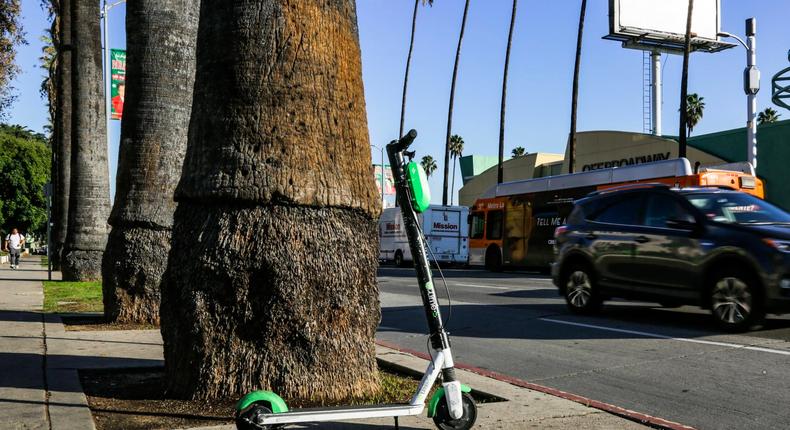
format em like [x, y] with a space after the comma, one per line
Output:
[504, 95]
[518, 151]
[456, 151]
[266, 165]
[428, 164]
[448, 136]
[684, 83]
[63, 119]
[161, 38]
[695, 107]
[89, 197]
[408, 61]
[767, 116]
[575, 87]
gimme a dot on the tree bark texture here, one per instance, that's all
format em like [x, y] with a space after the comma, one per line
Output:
[161, 38]
[62, 132]
[271, 279]
[89, 192]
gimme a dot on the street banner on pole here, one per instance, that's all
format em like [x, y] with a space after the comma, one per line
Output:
[389, 184]
[118, 81]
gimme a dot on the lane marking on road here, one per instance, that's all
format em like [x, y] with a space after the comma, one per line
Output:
[661, 336]
[490, 287]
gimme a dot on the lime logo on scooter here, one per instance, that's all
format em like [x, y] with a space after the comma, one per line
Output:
[432, 298]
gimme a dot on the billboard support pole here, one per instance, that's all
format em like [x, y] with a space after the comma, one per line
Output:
[655, 58]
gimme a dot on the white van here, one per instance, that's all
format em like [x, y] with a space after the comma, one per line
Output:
[446, 229]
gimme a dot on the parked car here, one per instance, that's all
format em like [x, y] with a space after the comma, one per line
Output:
[723, 250]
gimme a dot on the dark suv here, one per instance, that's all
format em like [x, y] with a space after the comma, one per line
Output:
[723, 250]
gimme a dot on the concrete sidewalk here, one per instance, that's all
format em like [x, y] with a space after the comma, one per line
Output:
[40, 388]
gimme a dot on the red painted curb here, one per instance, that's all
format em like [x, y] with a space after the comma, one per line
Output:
[612, 409]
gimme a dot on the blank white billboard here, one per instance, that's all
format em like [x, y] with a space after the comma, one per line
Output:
[664, 18]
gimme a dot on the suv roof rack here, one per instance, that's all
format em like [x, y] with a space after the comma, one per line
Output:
[636, 186]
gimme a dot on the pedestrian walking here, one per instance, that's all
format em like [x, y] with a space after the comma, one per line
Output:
[13, 245]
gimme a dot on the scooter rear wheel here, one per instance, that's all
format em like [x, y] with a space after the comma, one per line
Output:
[444, 421]
[249, 418]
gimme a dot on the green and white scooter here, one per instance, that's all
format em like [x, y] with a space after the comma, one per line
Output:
[451, 407]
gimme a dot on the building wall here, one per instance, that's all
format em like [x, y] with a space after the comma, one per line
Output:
[512, 170]
[603, 149]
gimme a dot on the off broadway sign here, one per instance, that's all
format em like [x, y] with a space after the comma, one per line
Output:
[630, 161]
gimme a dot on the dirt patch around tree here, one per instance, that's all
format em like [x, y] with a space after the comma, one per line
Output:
[97, 322]
[135, 399]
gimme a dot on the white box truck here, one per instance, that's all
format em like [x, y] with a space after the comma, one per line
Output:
[446, 230]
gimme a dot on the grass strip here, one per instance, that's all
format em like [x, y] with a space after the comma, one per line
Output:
[61, 297]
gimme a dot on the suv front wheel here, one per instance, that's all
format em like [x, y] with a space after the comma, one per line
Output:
[581, 294]
[735, 301]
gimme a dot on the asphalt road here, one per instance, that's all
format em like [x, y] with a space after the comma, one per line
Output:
[670, 363]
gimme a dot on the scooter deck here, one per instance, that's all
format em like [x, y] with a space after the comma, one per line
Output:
[343, 413]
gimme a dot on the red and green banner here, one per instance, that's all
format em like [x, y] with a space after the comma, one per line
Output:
[117, 81]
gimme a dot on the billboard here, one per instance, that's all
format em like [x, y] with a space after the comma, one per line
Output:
[661, 25]
[117, 82]
[389, 184]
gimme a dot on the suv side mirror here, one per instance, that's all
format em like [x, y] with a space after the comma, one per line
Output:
[681, 224]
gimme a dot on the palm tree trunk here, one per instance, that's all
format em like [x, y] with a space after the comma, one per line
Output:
[408, 65]
[684, 83]
[63, 120]
[271, 279]
[450, 108]
[452, 189]
[575, 95]
[504, 96]
[161, 38]
[89, 194]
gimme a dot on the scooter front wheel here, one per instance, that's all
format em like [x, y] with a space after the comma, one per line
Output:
[444, 421]
[249, 418]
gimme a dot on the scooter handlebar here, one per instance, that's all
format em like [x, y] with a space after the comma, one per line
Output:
[404, 142]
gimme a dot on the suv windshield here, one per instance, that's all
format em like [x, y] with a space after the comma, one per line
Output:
[738, 208]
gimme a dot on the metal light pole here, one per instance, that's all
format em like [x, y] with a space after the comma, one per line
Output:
[383, 173]
[751, 86]
[107, 71]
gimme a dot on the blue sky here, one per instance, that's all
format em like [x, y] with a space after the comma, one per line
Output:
[540, 73]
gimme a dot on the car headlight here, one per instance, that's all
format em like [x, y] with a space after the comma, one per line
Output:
[779, 245]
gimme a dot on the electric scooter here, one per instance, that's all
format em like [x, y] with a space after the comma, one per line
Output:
[452, 406]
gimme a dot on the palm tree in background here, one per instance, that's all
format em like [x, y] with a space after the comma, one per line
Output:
[456, 151]
[684, 127]
[428, 164]
[408, 61]
[89, 197]
[518, 151]
[504, 94]
[767, 116]
[695, 107]
[448, 136]
[575, 87]
[62, 130]
[161, 38]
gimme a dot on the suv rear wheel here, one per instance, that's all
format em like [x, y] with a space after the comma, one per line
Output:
[735, 300]
[581, 294]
